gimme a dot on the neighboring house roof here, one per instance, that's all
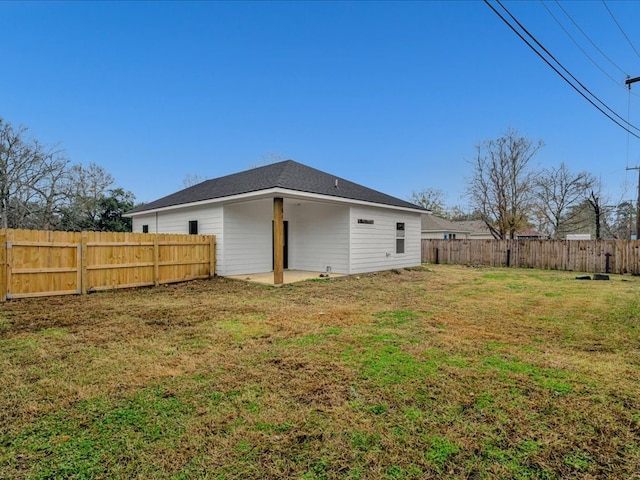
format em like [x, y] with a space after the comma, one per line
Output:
[474, 226]
[478, 227]
[530, 233]
[433, 223]
[287, 175]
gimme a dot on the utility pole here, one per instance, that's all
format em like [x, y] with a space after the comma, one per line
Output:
[637, 204]
[628, 82]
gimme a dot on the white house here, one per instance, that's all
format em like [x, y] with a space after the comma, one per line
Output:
[290, 216]
[477, 229]
[434, 227]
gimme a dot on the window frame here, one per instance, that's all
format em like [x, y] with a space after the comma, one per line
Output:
[400, 238]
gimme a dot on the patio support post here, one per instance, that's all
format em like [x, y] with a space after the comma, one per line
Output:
[278, 241]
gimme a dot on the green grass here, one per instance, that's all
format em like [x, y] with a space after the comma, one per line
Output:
[445, 372]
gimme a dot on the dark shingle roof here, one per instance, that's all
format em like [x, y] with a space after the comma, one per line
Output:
[474, 226]
[289, 175]
[435, 223]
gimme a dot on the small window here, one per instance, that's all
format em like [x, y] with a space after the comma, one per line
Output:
[193, 227]
[145, 228]
[400, 237]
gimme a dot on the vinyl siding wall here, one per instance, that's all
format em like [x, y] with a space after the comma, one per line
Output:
[373, 246]
[248, 237]
[318, 237]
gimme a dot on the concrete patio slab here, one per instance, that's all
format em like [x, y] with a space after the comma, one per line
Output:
[290, 276]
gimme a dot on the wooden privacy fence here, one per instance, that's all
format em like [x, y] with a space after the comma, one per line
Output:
[609, 256]
[37, 263]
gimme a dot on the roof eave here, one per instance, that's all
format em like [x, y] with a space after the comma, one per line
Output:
[273, 192]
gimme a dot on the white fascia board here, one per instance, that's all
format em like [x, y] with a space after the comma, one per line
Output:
[275, 192]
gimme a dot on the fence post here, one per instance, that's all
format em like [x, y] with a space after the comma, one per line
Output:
[83, 263]
[8, 260]
[3, 265]
[156, 257]
[212, 257]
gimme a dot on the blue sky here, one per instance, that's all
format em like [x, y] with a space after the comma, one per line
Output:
[392, 95]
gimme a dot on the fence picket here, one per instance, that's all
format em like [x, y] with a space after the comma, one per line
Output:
[41, 263]
[570, 255]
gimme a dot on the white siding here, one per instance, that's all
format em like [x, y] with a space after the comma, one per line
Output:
[177, 221]
[318, 237]
[248, 237]
[373, 247]
[139, 220]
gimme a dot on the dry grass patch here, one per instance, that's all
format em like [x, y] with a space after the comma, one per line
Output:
[423, 373]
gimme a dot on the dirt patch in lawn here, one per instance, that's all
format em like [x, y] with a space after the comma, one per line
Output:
[431, 372]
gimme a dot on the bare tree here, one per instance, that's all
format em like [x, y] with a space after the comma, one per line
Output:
[623, 221]
[192, 179]
[592, 215]
[29, 179]
[502, 183]
[430, 198]
[268, 159]
[458, 213]
[558, 189]
[596, 205]
[39, 190]
[602, 212]
[85, 190]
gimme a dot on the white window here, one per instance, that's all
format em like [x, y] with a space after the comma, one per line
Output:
[400, 237]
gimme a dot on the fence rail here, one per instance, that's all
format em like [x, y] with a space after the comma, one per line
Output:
[36, 263]
[609, 256]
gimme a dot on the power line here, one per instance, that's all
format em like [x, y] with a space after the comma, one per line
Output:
[532, 47]
[577, 44]
[589, 39]
[564, 68]
[621, 30]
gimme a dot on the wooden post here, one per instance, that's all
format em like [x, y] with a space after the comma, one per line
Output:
[278, 241]
[156, 260]
[3, 265]
[82, 267]
[212, 257]
[9, 261]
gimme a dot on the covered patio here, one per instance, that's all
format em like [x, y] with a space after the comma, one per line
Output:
[289, 276]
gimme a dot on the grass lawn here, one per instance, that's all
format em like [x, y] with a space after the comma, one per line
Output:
[435, 372]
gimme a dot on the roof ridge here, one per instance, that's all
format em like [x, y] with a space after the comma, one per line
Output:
[286, 165]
